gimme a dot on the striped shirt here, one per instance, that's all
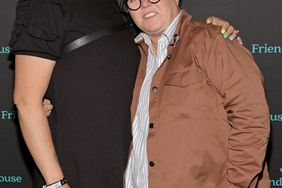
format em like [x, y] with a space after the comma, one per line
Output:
[136, 175]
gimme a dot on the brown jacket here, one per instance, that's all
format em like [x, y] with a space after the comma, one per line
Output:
[209, 117]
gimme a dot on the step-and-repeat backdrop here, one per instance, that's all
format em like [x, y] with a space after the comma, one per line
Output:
[260, 25]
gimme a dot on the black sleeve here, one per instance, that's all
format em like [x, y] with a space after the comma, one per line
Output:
[38, 29]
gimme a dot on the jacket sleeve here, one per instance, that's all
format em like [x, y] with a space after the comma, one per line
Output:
[237, 77]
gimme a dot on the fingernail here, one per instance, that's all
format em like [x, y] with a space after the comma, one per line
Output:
[231, 38]
[223, 30]
[209, 20]
[225, 35]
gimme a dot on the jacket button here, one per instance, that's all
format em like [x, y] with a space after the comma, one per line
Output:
[151, 125]
[155, 89]
[151, 163]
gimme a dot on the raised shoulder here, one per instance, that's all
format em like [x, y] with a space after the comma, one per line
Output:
[201, 30]
[219, 57]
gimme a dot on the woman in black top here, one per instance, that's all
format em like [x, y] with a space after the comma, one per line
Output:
[90, 88]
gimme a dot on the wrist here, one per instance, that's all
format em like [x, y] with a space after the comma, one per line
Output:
[52, 173]
[53, 178]
[56, 184]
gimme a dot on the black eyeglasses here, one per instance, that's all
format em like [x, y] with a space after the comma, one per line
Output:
[136, 4]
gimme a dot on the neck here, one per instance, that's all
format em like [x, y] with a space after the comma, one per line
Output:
[154, 37]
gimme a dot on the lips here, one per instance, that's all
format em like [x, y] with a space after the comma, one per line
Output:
[149, 15]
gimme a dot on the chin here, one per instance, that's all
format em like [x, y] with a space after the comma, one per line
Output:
[154, 31]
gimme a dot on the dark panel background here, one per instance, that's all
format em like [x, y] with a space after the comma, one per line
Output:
[260, 24]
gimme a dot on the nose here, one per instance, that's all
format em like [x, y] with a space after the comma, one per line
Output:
[145, 3]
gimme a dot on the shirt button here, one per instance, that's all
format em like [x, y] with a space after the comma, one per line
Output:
[155, 89]
[151, 163]
[151, 125]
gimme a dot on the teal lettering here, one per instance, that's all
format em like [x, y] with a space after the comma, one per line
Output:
[13, 179]
[277, 50]
[280, 117]
[276, 117]
[10, 179]
[5, 115]
[5, 50]
[266, 49]
[270, 49]
[255, 48]
[277, 182]
[19, 179]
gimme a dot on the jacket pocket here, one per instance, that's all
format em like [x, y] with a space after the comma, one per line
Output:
[183, 79]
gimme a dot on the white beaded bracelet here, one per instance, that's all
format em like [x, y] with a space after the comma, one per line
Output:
[56, 184]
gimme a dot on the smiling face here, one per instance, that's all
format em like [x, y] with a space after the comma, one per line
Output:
[153, 19]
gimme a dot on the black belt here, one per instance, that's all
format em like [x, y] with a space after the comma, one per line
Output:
[91, 37]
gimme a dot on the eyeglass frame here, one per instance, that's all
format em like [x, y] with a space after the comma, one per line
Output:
[140, 4]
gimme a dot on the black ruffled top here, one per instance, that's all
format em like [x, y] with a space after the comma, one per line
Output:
[91, 88]
[43, 27]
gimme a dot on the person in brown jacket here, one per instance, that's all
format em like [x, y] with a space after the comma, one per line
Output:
[199, 114]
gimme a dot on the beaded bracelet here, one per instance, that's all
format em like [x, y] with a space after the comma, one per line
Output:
[56, 184]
